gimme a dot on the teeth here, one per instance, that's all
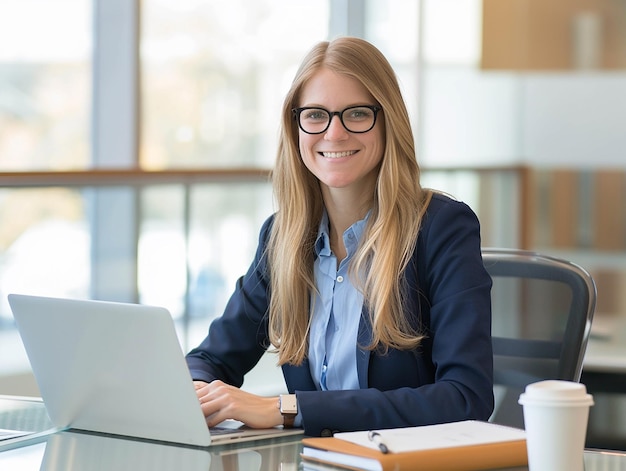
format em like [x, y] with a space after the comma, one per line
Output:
[336, 155]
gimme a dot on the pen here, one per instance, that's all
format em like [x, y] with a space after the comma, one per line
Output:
[378, 439]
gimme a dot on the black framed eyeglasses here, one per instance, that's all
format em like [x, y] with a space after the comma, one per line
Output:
[355, 119]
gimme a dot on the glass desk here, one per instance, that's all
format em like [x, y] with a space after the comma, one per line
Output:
[19, 415]
[48, 450]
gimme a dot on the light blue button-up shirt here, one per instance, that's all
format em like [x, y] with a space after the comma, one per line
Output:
[336, 312]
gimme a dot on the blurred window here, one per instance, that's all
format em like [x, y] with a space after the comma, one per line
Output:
[214, 74]
[45, 104]
[45, 61]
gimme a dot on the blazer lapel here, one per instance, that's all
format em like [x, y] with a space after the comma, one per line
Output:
[298, 378]
[364, 338]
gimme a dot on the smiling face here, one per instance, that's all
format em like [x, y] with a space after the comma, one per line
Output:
[337, 157]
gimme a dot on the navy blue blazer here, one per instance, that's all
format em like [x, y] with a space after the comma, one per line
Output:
[449, 377]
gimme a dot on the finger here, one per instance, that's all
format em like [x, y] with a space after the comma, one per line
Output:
[215, 419]
[213, 413]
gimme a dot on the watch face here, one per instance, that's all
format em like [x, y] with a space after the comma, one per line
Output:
[288, 404]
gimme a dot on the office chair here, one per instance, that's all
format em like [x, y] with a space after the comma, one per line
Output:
[542, 310]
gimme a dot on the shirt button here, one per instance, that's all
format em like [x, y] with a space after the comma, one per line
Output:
[339, 279]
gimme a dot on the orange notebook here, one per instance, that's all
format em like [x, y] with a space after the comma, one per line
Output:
[460, 446]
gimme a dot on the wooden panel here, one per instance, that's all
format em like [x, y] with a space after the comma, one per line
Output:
[609, 210]
[564, 208]
[505, 25]
[611, 299]
[529, 214]
[540, 34]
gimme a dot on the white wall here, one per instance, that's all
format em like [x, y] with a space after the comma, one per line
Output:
[470, 117]
[575, 120]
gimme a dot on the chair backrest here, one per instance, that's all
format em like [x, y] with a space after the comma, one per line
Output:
[542, 312]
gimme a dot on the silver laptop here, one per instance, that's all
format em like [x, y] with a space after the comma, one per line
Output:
[116, 368]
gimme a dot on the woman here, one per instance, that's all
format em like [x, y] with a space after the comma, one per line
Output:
[370, 288]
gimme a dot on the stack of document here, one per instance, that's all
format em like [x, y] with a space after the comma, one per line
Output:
[463, 446]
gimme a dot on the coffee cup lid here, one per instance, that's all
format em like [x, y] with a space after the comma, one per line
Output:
[556, 391]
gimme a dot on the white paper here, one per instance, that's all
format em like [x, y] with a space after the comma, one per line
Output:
[366, 464]
[449, 435]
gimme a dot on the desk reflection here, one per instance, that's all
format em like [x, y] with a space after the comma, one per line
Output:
[73, 451]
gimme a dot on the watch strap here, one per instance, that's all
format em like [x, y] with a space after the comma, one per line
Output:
[288, 420]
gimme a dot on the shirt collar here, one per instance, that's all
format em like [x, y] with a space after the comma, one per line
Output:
[322, 243]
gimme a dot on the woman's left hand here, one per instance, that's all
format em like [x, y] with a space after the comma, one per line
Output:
[220, 401]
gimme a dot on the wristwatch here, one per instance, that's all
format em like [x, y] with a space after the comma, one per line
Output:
[288, 406]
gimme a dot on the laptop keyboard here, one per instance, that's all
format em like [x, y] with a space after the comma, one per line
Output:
[27, 419]
[223, 430]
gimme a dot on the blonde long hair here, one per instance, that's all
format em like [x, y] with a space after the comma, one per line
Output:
[390, 236]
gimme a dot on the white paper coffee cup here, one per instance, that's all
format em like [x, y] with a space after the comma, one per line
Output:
[555, 417]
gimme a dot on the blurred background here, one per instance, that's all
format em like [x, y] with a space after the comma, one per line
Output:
[136, 138]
